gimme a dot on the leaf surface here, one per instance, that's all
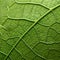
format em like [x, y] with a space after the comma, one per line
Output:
[29, 30]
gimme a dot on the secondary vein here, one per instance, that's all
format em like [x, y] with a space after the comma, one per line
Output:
[30, 29]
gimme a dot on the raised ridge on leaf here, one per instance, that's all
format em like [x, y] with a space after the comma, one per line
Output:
[36, 33]
[29, 37]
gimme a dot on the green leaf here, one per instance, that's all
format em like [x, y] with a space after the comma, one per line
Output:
[47, 3]
[29, 30]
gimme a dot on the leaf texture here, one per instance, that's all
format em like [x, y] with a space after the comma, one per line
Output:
[29, 30]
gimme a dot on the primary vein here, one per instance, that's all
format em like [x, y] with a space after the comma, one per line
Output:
[29, 30]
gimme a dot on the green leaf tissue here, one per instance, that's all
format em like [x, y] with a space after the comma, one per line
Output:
[29, 29]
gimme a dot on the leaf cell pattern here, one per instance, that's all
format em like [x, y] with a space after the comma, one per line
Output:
[29, 30]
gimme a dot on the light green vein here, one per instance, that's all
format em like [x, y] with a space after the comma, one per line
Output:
[1, 26]
[20, 19]
[11, 46]
[3, 53]
[34, 51]
[30, 29]
[29, 3]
